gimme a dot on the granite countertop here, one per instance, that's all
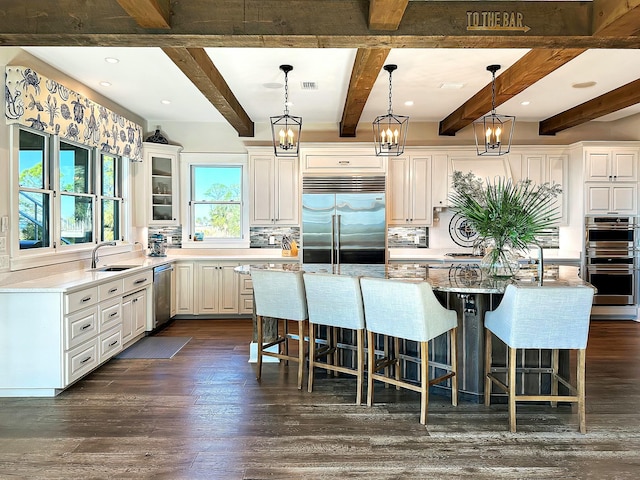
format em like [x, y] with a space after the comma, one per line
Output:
[443, 278]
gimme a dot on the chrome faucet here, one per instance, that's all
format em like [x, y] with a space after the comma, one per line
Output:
[94, 253]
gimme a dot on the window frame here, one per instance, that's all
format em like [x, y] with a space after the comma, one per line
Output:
[189, 160]
[56, 252]
[118, 195]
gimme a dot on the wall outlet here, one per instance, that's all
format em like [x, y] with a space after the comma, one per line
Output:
[4, 262]
[416, 239]
[3, 244]
[272, 240]
[4, 223]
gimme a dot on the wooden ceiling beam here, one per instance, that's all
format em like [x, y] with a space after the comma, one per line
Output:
[386, 14]
[618, 18]
[533, 66]
[610, 102]
[366, 67]
[148, 13]
[198, 67]
[317, 24]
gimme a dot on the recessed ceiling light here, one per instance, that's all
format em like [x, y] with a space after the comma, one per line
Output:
[451, 85]
[111, 60]
[273, 85]
[583, 84]
[105, 84]
[525, 103]
[408, 103]
[165, 102]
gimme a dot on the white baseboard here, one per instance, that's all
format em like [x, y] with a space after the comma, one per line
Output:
[253, 354]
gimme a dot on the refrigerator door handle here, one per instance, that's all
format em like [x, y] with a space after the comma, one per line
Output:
[338, 222]
[333, 237]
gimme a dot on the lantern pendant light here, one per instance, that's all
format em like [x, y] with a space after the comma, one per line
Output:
[390, 131]
[494, 132]
[286, 128]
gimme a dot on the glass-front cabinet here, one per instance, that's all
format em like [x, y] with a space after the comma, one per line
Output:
[162, 163]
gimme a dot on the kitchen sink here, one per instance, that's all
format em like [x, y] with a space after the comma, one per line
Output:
[115, 268]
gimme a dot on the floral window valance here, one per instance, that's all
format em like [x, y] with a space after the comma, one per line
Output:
[38, 102]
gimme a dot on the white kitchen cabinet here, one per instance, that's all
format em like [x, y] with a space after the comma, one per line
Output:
[174, 303]
[162, 199]
[552, 168]
[217, 288]
[410, 192]
[611, 198]
[134, 315]
[57, 337]
[184, 288]
[273, 190]
[616, 164]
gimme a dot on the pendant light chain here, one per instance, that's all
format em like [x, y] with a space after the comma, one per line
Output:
[286, 93]
[390, 108]
[493, 94]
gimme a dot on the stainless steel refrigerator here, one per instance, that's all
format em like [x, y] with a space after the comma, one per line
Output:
[344, 220]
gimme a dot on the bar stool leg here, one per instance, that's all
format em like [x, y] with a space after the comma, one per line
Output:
[555, 356]
[301, 336]
[580, 387]
[371, 360]
[487, 367]
[424, 381]
[312, 354]
[360, 375]
[260, 343]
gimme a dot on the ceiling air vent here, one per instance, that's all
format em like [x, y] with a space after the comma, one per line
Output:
[309, 85]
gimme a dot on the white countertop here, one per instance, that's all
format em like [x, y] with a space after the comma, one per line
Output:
[76, 279]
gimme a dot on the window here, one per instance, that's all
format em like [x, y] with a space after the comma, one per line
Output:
[76, 195]
[34, 191]
[75, 199]
[216, 202]
[110, 198]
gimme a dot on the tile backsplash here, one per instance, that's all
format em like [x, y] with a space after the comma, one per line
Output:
[408, 237]
[173, 235]
[259, 236]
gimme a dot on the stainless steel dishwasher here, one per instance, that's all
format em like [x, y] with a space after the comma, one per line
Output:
[161, 295]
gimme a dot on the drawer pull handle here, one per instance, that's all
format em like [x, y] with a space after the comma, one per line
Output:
[113, 314]
[86, 299]
[113, 290]
[344, 162]
[84, 327]
[138, 282]
[86, 359]
[115, 342]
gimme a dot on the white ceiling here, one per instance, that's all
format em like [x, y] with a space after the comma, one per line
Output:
[146, 76]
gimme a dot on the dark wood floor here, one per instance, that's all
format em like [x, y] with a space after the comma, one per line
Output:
[202, 414]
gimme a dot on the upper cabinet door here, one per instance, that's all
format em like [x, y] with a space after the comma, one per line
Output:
[161, 162]
[273, 190]
[611, 165]
[410, 191]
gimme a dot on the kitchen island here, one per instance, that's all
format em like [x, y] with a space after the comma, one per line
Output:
[464, 289]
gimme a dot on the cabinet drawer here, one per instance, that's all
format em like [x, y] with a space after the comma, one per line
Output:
[80, 299]
[80, 361]
[138, 281]
[80, 327]
[110, 343]
[246, 304]
[246, 286]
[110, 290]
[110, 314]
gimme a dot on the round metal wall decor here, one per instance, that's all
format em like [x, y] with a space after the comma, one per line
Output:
[461, 231]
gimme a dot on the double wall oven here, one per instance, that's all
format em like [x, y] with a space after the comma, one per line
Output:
[612, 259]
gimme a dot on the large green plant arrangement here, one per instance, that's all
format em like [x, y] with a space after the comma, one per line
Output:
[508, 216]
